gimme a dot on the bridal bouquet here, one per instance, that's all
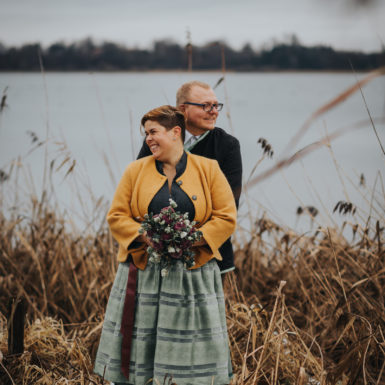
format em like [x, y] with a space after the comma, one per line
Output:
[172, 235]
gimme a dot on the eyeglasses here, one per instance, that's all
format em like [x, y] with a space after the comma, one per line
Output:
[208, 107]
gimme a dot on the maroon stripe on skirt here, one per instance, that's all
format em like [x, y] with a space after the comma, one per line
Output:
[128, 319]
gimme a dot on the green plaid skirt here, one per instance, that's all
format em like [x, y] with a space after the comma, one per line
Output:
[179, 332]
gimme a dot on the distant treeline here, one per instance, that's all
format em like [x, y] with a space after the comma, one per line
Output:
[168, 55]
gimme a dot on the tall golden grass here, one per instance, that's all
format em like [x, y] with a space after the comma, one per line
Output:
[301, 308]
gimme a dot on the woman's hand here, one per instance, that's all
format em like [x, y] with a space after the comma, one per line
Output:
[144, 239]
[201, 242]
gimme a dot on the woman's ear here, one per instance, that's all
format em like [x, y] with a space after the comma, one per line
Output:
[177, 131]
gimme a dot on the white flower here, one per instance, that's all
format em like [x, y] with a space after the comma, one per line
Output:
[186, 222]
[185, 215]
[164, 272]
[162, 223]
[156, 219]
[171, 249]
[167, 230]
[173, 203]
[183, 234]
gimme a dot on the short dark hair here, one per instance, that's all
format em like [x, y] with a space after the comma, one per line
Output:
[168, 117]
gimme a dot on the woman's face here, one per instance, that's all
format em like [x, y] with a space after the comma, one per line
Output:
[160, 140]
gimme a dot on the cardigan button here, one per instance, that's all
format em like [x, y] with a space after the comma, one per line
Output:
[179, 183]
[194, 197]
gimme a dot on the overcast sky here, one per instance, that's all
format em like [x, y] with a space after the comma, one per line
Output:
[337, 23]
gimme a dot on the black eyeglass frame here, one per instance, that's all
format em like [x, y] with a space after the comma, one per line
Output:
[217, 106]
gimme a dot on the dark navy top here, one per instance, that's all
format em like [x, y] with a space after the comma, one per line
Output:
[161, 198]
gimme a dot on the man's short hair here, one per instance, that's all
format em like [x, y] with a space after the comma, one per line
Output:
[184, 91]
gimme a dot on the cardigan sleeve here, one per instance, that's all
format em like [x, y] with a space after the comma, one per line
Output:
[223, 218]
[124, 227]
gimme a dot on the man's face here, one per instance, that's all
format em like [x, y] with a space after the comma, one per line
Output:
[199, 121]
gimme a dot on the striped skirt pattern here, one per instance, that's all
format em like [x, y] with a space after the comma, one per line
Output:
[179, 332]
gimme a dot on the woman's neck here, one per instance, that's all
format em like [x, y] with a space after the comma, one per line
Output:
[174, 158]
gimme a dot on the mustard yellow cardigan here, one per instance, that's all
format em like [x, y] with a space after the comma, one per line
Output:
[205, 184]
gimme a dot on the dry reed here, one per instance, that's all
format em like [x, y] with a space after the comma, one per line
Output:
[301, 309]
[331, 315]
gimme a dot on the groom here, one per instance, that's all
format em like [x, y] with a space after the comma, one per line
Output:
[200, 105]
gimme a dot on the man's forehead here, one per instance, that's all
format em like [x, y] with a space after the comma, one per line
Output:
[202, 93]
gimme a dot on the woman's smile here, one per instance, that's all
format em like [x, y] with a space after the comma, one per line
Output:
[153, 147]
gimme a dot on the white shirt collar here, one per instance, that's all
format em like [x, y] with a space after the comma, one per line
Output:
[188, 135]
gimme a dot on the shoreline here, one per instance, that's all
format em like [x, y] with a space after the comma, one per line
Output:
[218, 71]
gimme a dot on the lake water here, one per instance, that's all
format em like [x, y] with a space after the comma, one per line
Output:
[93, 118]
